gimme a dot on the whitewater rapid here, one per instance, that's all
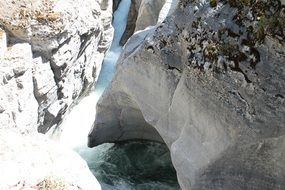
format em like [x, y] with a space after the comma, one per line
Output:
[77, 124]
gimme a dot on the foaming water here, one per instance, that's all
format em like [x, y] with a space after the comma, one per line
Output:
[132, 166]
[128, 166]
[77, 124]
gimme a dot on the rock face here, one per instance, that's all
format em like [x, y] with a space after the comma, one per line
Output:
[131, 23]
[210, 82]
[148, 13]
[18, 105]
[116, 4]
[53, 57]
[33, 162]
[144, 13]
[68, 39]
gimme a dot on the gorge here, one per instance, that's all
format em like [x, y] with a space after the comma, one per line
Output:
[128, 166]
[198, 84]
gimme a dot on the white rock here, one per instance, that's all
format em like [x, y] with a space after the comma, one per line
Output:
[27, 160]
[68, 38]
[167, 9]
[17, 89]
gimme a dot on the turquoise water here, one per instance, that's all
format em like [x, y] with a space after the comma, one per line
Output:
[132, 166]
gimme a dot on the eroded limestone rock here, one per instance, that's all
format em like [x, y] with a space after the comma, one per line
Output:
[69, 39]
[211, 83]
[54, 55]
[18, 106]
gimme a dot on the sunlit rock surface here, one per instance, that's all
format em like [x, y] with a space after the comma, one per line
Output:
[148, 13]
[211, 82]
[68, 39]
[50, 55]
[33, 162]
[145, 13]
[18, 105]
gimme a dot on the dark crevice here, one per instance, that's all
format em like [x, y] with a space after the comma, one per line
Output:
[131, 23]
[85, 41]
[237, 69]
[256, 55]
[279, 96]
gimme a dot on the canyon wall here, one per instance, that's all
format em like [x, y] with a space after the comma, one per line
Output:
[209, 82]
[51, 53]
[145, 13]
[54, 55]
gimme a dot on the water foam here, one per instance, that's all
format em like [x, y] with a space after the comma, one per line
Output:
[77, 124]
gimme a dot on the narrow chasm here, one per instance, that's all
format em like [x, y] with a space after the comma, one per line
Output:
[129, 165]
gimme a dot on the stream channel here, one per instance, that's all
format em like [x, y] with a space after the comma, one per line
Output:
[120, 166]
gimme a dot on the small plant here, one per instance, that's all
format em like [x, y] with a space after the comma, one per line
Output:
[231, 51]
[51, 183]
[269, 25]
[213, 3]
[239, 3]
[211, 52]
[51, 16]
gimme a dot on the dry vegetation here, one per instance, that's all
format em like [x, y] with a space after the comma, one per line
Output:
[52, 183]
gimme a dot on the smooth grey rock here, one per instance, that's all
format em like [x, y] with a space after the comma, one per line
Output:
[148, 13]
[224, 126]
